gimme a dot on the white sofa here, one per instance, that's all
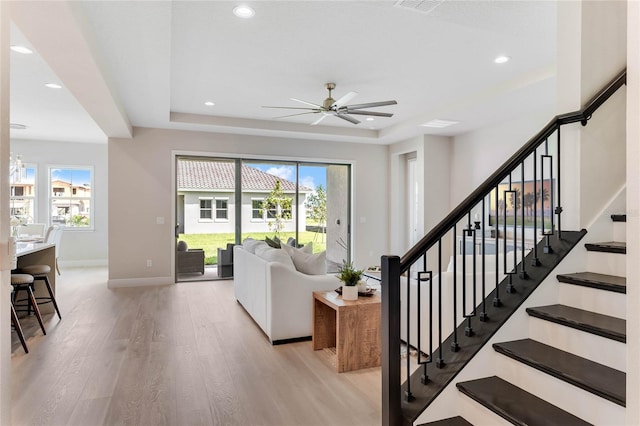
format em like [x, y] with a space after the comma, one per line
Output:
[276, 295]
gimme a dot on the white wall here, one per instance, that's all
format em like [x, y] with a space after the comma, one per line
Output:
[147, 160]
[78, 247]
[476, 155]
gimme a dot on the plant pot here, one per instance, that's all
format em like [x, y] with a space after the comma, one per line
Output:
[349, 292]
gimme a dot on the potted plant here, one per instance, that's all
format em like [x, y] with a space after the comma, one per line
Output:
[350, 277]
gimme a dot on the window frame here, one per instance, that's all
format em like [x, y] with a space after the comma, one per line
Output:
[258, 209]
[201, 209]
[226, 209]
[71, 196]
[33, 198]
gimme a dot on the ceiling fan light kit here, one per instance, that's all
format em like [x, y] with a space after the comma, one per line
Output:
[337, 108]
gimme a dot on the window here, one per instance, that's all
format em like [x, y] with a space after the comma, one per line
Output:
[205, 208]
[256, 209]
[222, 211]
[22, 196]
[71, 196]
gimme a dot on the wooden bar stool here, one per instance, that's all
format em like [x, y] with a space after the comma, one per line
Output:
[23, 282]
[16, 325]
[40, 272]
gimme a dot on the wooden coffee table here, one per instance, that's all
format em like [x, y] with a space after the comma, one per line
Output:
[351, 326]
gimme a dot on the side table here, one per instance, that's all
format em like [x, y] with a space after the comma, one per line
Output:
[351, 326]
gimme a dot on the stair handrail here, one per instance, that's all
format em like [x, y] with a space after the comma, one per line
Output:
[582, 116]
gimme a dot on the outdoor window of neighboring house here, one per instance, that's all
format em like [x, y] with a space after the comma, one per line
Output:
[206, 211]
[256, 209]
[71, 196]
[22, 198]
[222, 209]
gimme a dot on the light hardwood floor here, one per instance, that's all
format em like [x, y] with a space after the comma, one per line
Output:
[185, 354]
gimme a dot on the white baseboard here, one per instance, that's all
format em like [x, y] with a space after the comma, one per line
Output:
[139, 282]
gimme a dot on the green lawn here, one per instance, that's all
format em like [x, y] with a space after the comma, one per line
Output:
[210, 242]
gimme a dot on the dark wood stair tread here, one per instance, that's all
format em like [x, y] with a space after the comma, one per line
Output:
[515, 404]
[590, 322]
[599, 281]
[598, 379]
[452, 421]
[608, 247]
[619, 217]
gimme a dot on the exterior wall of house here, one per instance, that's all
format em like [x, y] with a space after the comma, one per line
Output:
[192, 223]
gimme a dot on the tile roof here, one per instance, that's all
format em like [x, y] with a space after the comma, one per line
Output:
[220, 175]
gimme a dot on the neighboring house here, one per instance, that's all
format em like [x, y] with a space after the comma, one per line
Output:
[206, 201]
[69, 200]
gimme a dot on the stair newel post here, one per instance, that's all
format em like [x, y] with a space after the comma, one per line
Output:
[440, 361]
[496, 301]
[535, 261]
[454, 344]
[558, 210]
[483, 315]
[523, 272]
[390, 324]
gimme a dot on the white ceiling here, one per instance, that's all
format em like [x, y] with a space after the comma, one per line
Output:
[162, 60]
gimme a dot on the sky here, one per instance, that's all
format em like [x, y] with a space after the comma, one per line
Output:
[310, 176]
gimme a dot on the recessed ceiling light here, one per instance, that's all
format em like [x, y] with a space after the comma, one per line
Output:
[439, 124]
[369, 118]
[17, 126]
[209, 103]
[22, 49]
[53, 86]
[243, 11]
[501, 59]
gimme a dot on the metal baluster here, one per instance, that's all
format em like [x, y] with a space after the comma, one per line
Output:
[510, 288]
[558, 210]
[535, 261]
[496, 300]
[523, 272]
[547, 234]
[483, 315]
[454, 344]
[408, 396]
[440, 361]
[468, 331]
[424, 378]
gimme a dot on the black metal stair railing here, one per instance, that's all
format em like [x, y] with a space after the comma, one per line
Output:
[486, 239]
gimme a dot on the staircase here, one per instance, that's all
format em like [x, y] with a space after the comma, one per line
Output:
[563, 371]
[560, 361]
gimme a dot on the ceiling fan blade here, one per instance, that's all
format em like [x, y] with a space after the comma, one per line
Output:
[322, 117]
[301, 113]
[307, 103]
[346, 98]
[346, 117]
[282, 107]
[371, 105]
[358, 112]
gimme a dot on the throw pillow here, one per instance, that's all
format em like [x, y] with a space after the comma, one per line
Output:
[310, 263]
[271, 254]
[308, 248]
[275, 242]
[182, 246]
[251, 245]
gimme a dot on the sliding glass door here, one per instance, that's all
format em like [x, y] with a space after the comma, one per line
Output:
[221, 202]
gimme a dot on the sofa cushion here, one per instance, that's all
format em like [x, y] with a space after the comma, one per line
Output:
[250, 245]
[307, 248]
[271, 254]
[308, 263]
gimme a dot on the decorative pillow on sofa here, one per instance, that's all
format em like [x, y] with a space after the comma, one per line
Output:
[307, 263]
[182, 246]
[271, 254]
[250, 245]
[273, 242]
[307, 248]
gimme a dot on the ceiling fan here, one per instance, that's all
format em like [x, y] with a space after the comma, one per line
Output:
[338, 108]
